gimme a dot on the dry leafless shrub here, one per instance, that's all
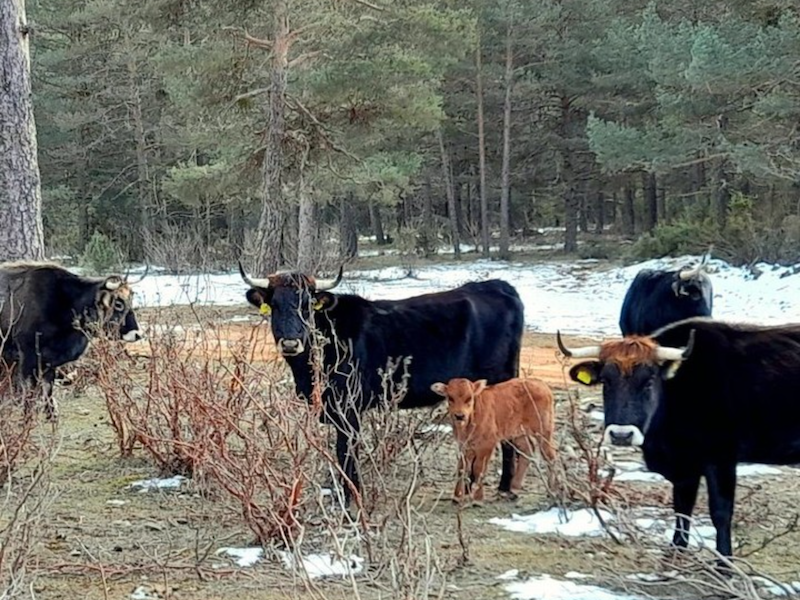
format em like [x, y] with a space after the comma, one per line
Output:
[27, 493]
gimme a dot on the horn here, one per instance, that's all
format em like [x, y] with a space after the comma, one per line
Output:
[112, 283]
[584, 352]
[690, 273]
[146, 271]
[666, 353]
[256, 283]
[328, 284]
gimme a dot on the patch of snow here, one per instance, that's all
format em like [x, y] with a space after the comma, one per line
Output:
[509, 575]
[245, 557]
[115, 502]
[544, 587]
[145, 485]
[597, 415]
[576, 575]
[143, 593]
[570, 523]
[436, 429]
[778, 589]
[752, 469]
[325, 565]
[639, 476]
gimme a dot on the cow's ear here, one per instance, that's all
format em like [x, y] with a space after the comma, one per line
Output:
[587, 373]
[479, 386]
[439, 388]
[670, 368]
[259, 297]
[324, 301]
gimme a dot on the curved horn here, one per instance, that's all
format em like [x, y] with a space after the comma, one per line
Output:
[584, 352]
[256, 283]
[146, 271]
[667, 353]
[328, 284]
[691, 273]
[112, 283]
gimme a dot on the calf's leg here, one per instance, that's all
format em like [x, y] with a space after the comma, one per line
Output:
[482, 456]
[721, 480]
[684, 496]
[525, 450]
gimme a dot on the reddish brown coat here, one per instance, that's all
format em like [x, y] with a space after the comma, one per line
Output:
[517, 410]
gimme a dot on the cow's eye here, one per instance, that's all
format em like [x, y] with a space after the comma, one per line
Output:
[119, 305]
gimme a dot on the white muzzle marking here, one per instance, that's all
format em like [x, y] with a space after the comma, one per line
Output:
[133, 336]
[623, 432]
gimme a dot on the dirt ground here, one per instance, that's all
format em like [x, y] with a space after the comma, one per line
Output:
[102, 540]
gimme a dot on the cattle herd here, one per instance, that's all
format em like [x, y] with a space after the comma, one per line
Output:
[696, 395]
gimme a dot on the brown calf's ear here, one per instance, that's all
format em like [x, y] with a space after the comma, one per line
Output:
[479, 386]
[587, 373]
[324, 301]
[439, 388]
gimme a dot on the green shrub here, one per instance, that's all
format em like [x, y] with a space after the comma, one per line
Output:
[679, 237]
[100, 255]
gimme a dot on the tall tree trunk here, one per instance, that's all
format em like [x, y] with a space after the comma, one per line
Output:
[447, 172]
[376, 223]
[628, 215]
[21, 233]
[571, 200]
[583, 210]
[269, 236]
[481, 152]
[142, 166]
[458, 190]
[599, 212]
[348, 234]
[650, 201]
[505, 174]
[307, 244]
[723, 195]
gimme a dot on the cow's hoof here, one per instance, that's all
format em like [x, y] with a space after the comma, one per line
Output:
[509, 495]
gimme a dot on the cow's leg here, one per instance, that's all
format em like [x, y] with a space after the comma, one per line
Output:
[46, 383]
[525, 450]
[721, 480]
[347, 439]
[507, 474]
[684, 496]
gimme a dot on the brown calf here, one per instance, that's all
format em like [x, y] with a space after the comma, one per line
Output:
[485, 415]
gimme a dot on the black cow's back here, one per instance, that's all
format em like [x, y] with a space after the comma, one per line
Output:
[650, 303]
[738, 394]
[473, 331]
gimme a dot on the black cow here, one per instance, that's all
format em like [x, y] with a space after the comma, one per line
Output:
[474, 331]
[700, 396]
[46, 313]
[657, 298]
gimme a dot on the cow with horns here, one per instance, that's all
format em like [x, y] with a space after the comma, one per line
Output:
[698, 397]
[473, 331]
[46, 315]
[657, 298]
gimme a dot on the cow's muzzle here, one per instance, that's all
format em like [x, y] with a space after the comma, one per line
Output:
[290, 347]
[623, 435]
[133, 336]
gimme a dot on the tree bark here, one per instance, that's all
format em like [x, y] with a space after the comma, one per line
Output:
[571, 200]
[142, 166]
[650, 201]
[21, 233]
[505, 173]
[599, 212]
[481, 152]
[451, 196]
[269, 237]
[628, 216]
[376, 223]
[307, 244]
[723, 195]
[348, 235]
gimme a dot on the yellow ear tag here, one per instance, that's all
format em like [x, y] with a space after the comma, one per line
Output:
[318, 305]
[584, 376]
[264, 309]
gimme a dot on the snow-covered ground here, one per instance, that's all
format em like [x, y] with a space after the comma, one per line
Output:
[582, 297]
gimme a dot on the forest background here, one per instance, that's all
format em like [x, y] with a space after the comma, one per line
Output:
[188, 133]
